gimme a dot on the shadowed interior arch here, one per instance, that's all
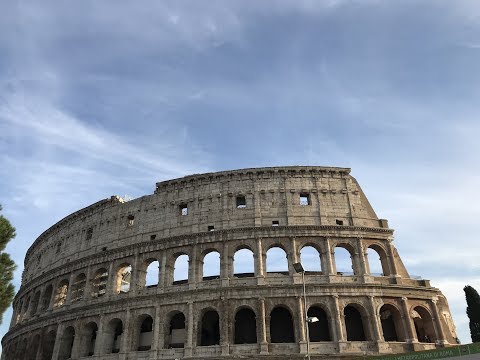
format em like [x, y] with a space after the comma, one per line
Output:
[281, 326]
[245, 327]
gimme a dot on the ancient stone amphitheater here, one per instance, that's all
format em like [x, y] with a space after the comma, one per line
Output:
[101, 283]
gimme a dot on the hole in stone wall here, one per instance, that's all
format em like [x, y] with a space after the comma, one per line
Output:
[275, 223]
[243, 263]
[241, 202]
[304, 199]
[183, 209]
[211, 228]
[210, 329]
[339, 222]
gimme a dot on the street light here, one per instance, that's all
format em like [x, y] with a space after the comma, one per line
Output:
[300, 270]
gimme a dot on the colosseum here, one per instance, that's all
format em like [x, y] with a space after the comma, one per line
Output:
[102, 282]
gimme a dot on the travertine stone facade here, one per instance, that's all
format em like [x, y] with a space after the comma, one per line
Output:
[86, 294]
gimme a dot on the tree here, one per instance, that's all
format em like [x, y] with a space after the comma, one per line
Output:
[7, 266]
[473, 311]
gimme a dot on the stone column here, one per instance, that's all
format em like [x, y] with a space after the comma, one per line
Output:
[52, 296]
[259, 262]
[361, 262]
[391, 258]
[301, 325]
[437, 322]
[158, 341]
[225, 267]
[377, 332]
[128, 332]
[68, 298]
[87, 294]
[340, 325]
[162, 274]
[111, 281]
[408, 322]
[99, 349]
[190, 325]
[139, 274]
[192, 269]
[224, 333]
[261, 323]
[58, 340]
[328, 257]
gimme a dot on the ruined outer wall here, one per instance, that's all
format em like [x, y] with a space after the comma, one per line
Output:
[111, 232]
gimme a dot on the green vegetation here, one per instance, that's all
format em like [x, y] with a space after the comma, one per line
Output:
[7, 266]
[473, 312]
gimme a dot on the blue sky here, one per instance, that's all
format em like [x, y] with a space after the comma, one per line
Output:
[101, 98]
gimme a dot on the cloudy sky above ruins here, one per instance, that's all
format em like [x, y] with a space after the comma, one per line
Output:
[98, 98]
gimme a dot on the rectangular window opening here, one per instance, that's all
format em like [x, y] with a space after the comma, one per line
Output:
[183, 209]
[275, 223]
[211, 228]
[241, 202]
[304, 199]
[339, 222]
[89, 234]
[152, 237]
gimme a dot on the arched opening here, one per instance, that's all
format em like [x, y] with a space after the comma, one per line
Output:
[47, 297]
[344, 261]
[176, 332]
[61, 294]
[35, 302]
[180, 271]
[21, 348]
[33, 348]
[277, 262]
[243, 263]
[66, 343]
[151, 276]
[99, 283]
[113, 336]
[281, 326]
[48, 344]
[145, 333]
[124, 277]
[245, 327]
[78, 287]
[210, 329]
[88, 339]
[423, 325]
[354, 324]
[391, 323]
[211, 266]
[310, 258]
[26, 306]
[318, 330]
[377, 261]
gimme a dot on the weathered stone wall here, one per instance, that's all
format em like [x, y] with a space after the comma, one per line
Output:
[71, 281]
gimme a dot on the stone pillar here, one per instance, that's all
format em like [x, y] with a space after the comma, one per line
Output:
[301, 325]
[58, 340]
[87, 294]
[190, 325]
[377, 333]
[52, 296]
[111, 281]
[361, 263]
[162, 274]
[328, 258]
[340, 325]
[68, 298]
[408, 322]
[100, 338]
[128, 332]
[77, 343]
[437, 322]
[259, 260]
[225, 267]
[139, 274]
[192, 269]
[391, 258]
[158, 341]
[262, 326]
[225, 325]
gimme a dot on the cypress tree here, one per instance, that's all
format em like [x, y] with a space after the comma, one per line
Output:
[473, 312]
[7, 266]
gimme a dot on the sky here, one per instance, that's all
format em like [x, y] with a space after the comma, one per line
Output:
[107, 98]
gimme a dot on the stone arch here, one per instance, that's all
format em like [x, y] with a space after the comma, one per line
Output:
[145, 333]
[180, 269]
[32, 348]
[210, 268]
[391, 321]
[310, 259]
[61, 293]
[20, 348]
[377, 260]
[276, 260]
[66, 343]
[48, 343]
[152, 272]
[88, 337]
[35, 303]
[113, 336]
[78, 287]
[175, 335]
[281, 325]
[245, 329]
[123, 278]
[355, 324]
[243, 262]
[26, 306]
[209, 328]
[423, 322]
[99, 283]
[319, 330]
[47, 297]
[344, 259]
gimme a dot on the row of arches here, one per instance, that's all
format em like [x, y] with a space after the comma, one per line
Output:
[82, 340]
[149, 273]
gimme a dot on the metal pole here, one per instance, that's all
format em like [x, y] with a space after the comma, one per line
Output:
[305, 314]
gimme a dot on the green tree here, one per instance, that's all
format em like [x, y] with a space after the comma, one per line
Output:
[7, 266]
[473, 311]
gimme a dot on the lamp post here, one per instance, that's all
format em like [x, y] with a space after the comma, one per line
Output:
[300, 270]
